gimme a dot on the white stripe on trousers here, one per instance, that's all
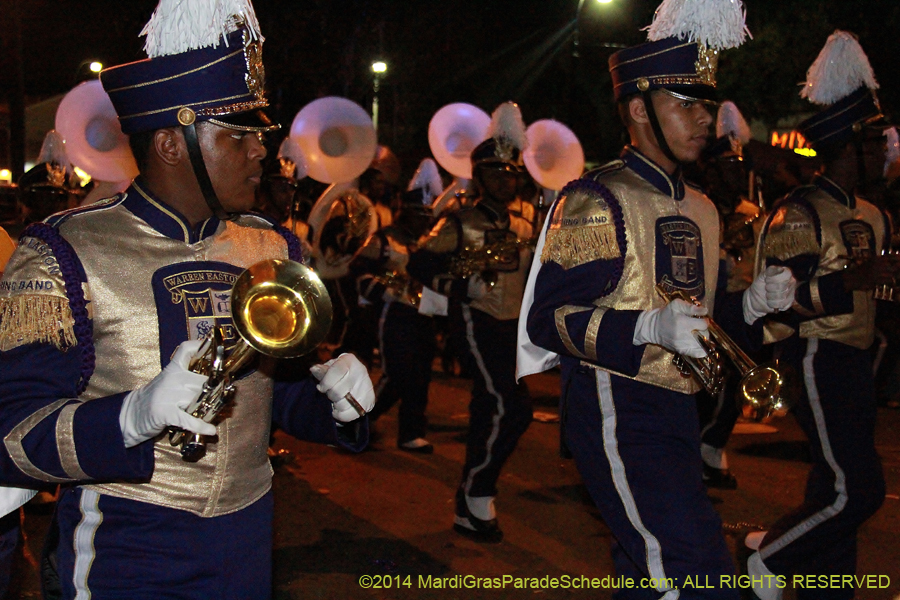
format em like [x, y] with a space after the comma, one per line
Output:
[489, 384]
[91, 517]
[620, 480]
[840, 485]
[382, 383]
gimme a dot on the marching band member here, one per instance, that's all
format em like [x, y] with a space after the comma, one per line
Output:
[405, 335]
[102, 308]
[629, 417]
[485, 315]
[831, 239]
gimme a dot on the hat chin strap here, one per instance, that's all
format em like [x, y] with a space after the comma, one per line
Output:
[202, 175]
[657, 129]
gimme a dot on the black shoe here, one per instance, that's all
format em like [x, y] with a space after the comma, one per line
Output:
[464, 523]
[416, 446]
[721, 479]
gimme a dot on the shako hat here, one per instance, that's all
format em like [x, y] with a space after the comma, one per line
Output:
[682, 53]
[205, 63]
[842, 80]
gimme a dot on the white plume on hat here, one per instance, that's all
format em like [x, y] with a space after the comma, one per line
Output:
[427, 179]
[841, 68]
[731, 122]
[53, 150]
[181, 25]
[717, 24]
[507, 126]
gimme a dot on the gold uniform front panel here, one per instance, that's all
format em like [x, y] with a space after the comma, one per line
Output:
[235, 471]
[643, 205]
[857, 328]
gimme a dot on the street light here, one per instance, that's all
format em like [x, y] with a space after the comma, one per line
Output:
[379, 67]
[96, 67]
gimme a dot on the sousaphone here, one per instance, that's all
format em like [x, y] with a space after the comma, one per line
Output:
[453, 133]
[95, 143]
[554, 156]
[337, 138]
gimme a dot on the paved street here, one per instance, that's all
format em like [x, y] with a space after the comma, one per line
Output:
[387, 513]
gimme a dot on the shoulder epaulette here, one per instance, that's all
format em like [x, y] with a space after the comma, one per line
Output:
[586, 225]
[793, 227]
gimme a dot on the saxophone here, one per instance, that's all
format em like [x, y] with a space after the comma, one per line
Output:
[488, 260]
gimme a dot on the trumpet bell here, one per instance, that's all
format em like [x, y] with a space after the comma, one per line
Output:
[95, 143]
[453, 133]
[768, 390]
[554, 156]
[337, 138]
[281, 308]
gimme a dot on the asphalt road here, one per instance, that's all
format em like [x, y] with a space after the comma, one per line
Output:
[383, 517]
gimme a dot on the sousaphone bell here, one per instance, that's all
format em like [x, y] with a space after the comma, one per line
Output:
[280, 308]
[95, 143]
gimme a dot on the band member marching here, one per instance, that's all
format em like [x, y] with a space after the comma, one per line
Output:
[477, 258]
[629, 416]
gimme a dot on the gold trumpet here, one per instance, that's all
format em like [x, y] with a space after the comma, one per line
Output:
[766, 390]
[280, 308]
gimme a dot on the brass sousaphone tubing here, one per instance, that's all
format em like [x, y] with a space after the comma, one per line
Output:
[281, 309]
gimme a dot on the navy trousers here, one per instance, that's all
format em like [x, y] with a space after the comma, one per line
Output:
[500, 410]
[407, 346]
[845, 484]
[117, 549]
[637, 449]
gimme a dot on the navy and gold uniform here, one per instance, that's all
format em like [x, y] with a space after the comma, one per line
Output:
[500, 410]
[81, 327]
[629, 417]
[832, 240]
[817, 231]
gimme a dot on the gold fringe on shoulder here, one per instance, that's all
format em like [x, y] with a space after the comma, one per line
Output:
[573, 246]
[42, 319]
[786, 244]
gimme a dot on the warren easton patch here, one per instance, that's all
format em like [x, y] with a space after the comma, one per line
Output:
[679, 256]
[191, 299]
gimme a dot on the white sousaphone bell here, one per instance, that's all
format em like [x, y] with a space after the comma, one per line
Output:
[337, 138]
[554, 156]
[453, 133]
[95, 143]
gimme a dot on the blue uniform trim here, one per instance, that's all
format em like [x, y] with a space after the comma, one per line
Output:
[671, 185]
[295, 248]
[165, 219]
[73, 275]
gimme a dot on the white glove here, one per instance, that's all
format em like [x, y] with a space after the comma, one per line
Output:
[343, 376]
[148, 410]
[674, 327]
[477, 287]
[772, 291]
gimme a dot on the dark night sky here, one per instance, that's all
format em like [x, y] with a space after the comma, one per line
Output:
[478, 51]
